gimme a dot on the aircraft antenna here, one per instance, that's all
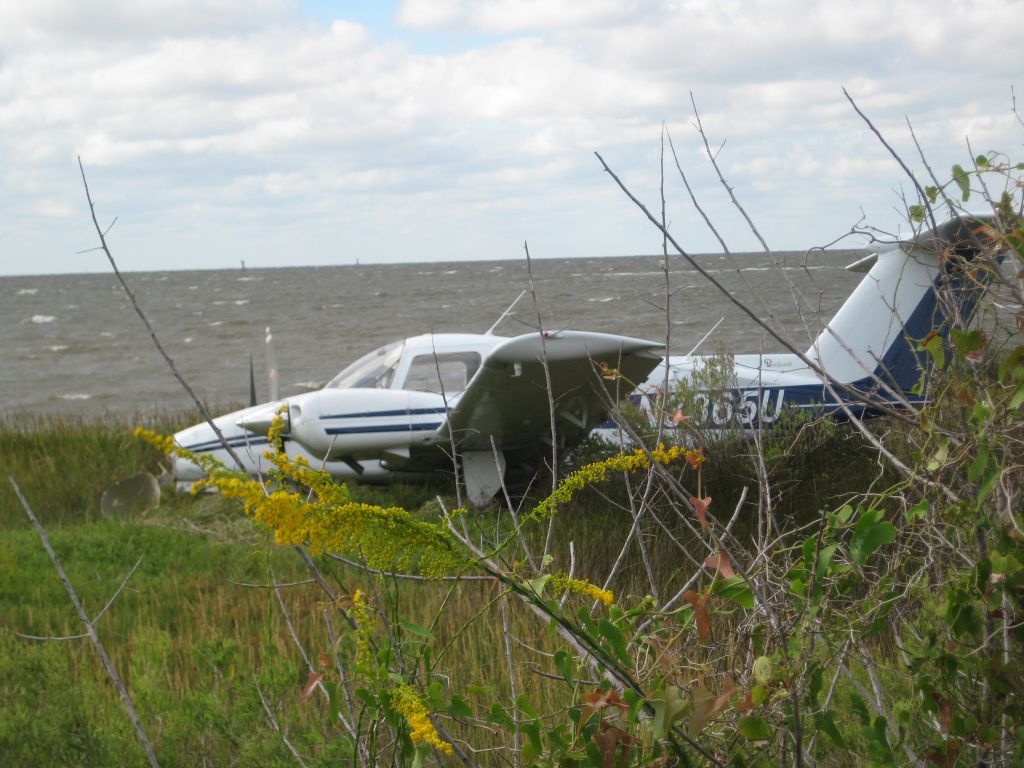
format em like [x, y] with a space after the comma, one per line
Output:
[705, 337]
[504, 314]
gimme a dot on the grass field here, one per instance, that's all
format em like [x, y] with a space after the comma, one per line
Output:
[196, 645]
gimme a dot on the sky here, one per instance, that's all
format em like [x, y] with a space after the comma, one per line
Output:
[312, 132]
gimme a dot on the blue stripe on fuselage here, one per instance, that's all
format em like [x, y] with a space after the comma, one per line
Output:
[234, 442]
[374, 414]
[382, 428]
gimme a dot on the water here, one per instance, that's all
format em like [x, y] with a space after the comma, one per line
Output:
[72, 343]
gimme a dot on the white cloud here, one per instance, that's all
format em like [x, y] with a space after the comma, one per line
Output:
[427, 14]
[40, 21]
[511, 16]
[187, 111]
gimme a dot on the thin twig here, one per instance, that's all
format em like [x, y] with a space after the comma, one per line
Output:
[896, 157]
[108, 665]
[152, 334]
[114, 596]
[712, 156]
[277, 728]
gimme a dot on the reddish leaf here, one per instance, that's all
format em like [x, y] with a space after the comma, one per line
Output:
[964, 397]
[720, 563]
[946, 759]
[945, 715]
[324, 661]
[695, 457]
[597, 701]
[700, 508]
[312, 681]
[610, 739]
[728, 689]
[678, 418]
[747, 702]
[706, 704]
[700, 613]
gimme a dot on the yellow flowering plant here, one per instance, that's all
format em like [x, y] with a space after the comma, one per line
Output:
[392, 659]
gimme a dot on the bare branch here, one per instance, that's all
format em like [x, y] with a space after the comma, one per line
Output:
[145, 321]
[714, 163]
[896, 157]
[90, 630]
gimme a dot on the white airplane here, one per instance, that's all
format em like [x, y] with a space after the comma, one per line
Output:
[403, 410]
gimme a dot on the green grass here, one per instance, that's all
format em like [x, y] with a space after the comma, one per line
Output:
[192, 643]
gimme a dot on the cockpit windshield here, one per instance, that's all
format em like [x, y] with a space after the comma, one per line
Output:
[375, 370]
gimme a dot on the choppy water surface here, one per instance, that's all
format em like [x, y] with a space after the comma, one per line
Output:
[72, 343]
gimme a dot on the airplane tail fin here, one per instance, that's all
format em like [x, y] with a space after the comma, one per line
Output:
[930, 283]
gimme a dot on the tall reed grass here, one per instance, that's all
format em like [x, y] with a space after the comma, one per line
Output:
[194, 644]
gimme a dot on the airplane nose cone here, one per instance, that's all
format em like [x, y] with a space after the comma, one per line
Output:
[259, 421]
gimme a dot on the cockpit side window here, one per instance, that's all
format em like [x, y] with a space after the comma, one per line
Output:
[447, 371]
[373, 371]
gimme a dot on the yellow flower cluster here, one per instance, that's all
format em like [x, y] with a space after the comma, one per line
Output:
[166, 444]
[361, 615]
[406, 702]
[559, 584]
[384, 537]
[598, 472]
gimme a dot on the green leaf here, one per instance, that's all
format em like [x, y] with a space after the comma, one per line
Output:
[935, 346]
[967, 341]
[1007, 564]
[844, 514]
[962, 181]
[917, 213]
[825, 559]
[564, 664]
[825, 723]
[524, 705]
[758, 695]
[919, 510]
[932, 193]
[980, 463]
[532, 748]
[1017, 399]
[416, 629]
[459, 707]
[870, 534]
[499, 716]
[538, 584]
[332, 699]
[736, 590]
[764, 670]
[981, 161]
[669, 706]
[755, 729]
[616, 640]
[585, 619]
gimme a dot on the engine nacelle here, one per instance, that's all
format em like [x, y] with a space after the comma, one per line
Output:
[364, 423]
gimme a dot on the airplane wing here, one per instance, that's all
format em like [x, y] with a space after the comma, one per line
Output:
[508, 398]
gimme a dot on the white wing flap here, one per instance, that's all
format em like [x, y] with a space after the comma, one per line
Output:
[508, 398]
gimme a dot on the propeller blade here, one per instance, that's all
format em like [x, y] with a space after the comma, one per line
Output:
[252, 383]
